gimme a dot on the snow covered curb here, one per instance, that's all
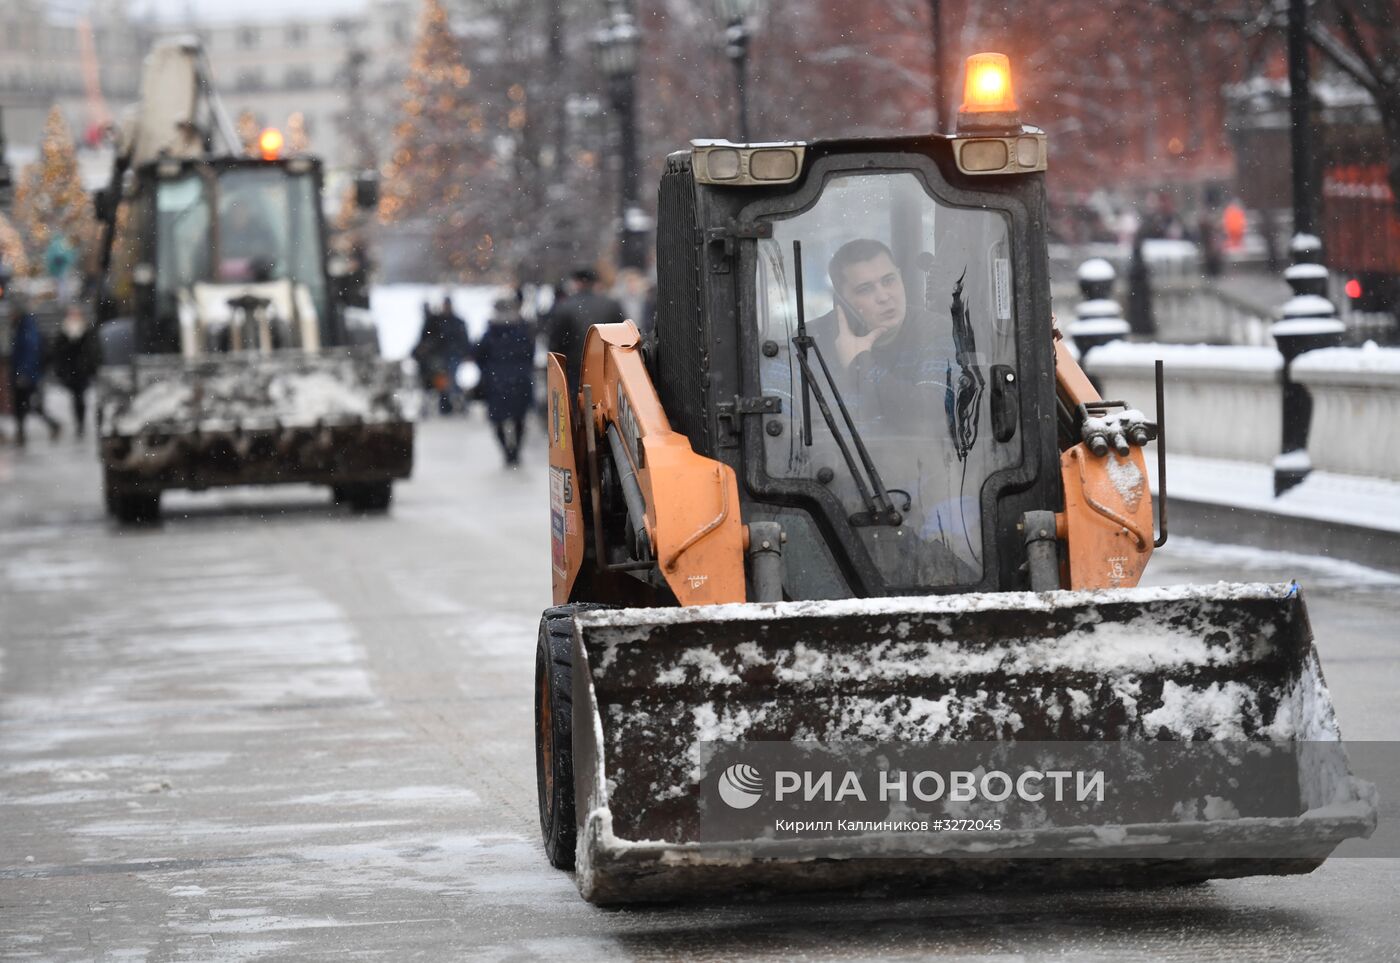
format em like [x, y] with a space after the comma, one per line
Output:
[1324, 497]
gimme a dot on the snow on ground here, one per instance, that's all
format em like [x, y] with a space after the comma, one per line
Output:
[1251, 561]
[1325, 496]
[398, 311]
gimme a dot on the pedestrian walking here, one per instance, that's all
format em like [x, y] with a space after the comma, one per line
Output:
[1140, 317]
[74, 361]
[443, 344]
[569, 322]
[27, 361]
[506, 357]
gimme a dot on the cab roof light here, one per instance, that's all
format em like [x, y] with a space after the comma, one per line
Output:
[270, 143]
[744, 165]
[989, 98]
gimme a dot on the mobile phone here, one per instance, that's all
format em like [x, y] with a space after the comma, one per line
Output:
[853, 317]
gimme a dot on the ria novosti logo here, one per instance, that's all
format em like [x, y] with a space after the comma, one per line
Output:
[740, 786]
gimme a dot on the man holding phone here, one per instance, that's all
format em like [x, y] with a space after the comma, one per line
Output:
[895, 356]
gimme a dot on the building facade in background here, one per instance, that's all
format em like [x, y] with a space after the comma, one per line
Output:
[88, 65]
[338, 77]
[342, 74]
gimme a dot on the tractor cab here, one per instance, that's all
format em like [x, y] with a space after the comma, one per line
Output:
[216, 256]
[868, 323]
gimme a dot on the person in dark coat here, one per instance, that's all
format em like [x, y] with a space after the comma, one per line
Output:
[443, 344]
[74, 360]
[27, 361]
[1140, 317]
[506, 356]
[569, 322]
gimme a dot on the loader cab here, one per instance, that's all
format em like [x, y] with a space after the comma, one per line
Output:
[868, 325]
[228, 255]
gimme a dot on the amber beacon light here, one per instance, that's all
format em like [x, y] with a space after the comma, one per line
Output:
[988, 97]
[270, 143]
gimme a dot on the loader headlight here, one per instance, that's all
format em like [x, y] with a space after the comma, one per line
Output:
[1020, 154]
[742, 165]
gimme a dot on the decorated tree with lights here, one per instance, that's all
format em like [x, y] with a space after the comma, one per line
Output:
[50, 203]
[440, 159]
[248, 131]
[12, 253]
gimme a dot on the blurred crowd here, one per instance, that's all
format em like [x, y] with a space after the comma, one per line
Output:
[503, 369]
[44, 334]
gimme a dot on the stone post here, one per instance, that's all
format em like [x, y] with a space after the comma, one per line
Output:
[1309, 321]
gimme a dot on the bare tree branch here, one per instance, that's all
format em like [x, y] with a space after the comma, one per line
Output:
[1343, 57]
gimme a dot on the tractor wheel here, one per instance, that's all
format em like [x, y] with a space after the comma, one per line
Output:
[134, 508]
[554, 731]
[554, 735]
[370, 496]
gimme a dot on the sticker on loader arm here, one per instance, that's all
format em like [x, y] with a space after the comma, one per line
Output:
[559, 495]
[558, 420]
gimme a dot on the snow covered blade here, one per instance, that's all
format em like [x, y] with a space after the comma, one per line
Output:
[249, 392]
[249, 419]
[664, 698]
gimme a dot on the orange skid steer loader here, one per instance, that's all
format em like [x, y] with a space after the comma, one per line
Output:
[845, 564]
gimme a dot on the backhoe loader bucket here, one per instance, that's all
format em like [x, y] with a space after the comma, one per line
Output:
[736, 748]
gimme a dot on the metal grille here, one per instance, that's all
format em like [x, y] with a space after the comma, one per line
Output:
[681, 360]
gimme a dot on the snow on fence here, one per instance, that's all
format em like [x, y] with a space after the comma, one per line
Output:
[1226, 401]
[1222, 401]
[1356, 409]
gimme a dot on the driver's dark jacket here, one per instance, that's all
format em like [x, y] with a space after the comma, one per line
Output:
[897, 385]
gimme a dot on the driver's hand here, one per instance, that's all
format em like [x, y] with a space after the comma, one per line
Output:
[848, 344]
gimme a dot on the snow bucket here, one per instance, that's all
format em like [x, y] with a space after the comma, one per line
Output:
[947, 741]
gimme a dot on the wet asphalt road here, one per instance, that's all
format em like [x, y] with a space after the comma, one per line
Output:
[267, 730]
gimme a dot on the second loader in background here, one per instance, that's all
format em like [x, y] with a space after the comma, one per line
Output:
[856, 502]
[228, 357]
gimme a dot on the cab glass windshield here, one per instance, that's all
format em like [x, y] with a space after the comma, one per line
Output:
[240, 225]
[910, 325]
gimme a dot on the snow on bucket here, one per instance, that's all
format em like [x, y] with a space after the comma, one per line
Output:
[668, 702]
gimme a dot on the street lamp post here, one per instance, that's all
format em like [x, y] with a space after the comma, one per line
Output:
[618, 45]
[1300, 118]
[737, 34]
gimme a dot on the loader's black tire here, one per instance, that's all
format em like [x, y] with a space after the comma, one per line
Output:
[554, 735]
[134, 508]
[339, 494]
[367, 497]
[554, 731]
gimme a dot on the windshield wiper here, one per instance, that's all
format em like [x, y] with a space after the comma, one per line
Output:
[879, 510]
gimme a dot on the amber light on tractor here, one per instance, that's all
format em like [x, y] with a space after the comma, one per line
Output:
[990, 138]
[989, 99]
[270, 143]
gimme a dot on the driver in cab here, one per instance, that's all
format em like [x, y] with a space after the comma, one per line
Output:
[248, 243]
[891, 357]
